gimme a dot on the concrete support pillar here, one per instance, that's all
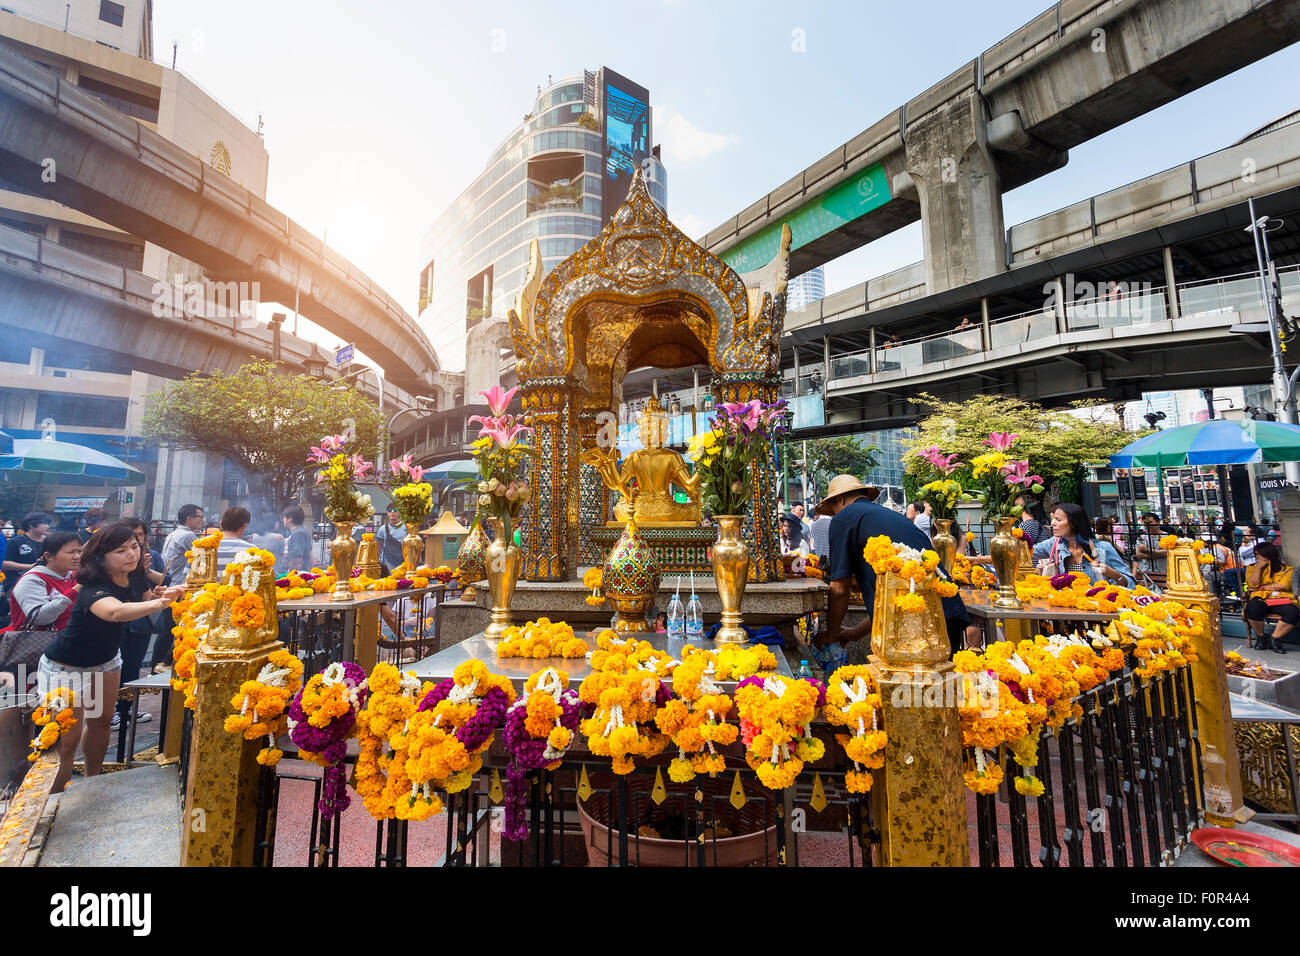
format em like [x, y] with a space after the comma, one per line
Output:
[871, 349]
[920, 805]
[957, 179]
[1058, 305]
[795, 349]
[1172, 308]
[826, 358]
[986, 334]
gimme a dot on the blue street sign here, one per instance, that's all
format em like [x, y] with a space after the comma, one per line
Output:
[344, 355]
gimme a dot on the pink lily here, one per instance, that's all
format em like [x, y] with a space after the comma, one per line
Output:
[944, 463]
[1017, 473]
[503, 437]
[498, 398]
[1001, 441]
[360, 467]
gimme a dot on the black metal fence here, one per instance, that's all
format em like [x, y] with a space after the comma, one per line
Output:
[616, 821]
[1121, 783]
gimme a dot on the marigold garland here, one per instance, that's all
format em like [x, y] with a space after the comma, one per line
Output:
[776, 718]
[623, 699]
[322, 716]
[451, 728]
[696, 719]
[262, 704]
[383, 743]
[55, 716]
[853, 701]
[615, 653]
[540, 639]
[539, 730]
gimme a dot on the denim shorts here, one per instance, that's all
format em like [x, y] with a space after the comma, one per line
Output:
[51, 674]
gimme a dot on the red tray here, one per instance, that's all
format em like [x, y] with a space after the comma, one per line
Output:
[1240, 848]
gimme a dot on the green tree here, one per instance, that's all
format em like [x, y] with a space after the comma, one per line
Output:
[1056, 442]
[263, 419]
[840, 455]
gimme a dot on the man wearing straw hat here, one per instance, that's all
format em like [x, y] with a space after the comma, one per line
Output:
[856, 518]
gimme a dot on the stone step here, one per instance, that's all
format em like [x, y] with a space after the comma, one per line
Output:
[127, 818]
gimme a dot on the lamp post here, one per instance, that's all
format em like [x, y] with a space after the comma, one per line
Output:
[422, 404]
[1283, 400]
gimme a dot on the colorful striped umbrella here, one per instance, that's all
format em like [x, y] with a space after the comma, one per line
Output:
[1215, 442]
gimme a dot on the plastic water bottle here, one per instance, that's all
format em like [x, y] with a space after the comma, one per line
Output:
[694, 619]
[804, 670]
[676, 617]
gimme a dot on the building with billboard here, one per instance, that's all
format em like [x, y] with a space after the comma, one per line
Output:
[556, 178]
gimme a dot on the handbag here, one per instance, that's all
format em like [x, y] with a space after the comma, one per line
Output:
[24, 648]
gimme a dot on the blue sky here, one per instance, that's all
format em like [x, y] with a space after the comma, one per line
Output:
[378, 114]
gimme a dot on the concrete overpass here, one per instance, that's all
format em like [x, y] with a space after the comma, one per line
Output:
[1006, 117]
[1050, 328]
[113, 168]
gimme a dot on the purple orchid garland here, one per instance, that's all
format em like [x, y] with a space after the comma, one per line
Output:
[330, 742]
[528, 753]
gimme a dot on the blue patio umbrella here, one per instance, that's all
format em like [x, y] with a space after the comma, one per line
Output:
[1214, 442]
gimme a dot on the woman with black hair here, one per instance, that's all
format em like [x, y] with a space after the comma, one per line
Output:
[85, 657]
[1269, 580]
[41, 602]
[1074, 548]
[1033, 521]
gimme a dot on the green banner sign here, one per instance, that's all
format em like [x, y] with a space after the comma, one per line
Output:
[851, 199]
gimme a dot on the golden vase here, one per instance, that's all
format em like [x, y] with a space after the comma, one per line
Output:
[1004, 549]
[503, 560]
[412, 547]
[945, 545]
[731, 572]
[343, 553]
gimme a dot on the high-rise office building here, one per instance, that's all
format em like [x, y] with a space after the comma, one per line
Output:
[557, 178]
[805, 289]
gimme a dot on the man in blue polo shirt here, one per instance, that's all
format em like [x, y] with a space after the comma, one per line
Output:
[855, 519]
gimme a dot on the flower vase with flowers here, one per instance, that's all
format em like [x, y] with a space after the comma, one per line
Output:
[413, 498]
[345, 505]
[727, 458]
[1002, 479]
[503, 492]
[942, 491]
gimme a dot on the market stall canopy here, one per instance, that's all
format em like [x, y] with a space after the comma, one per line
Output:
[6, 444]
[41, 456]
[1217, 442]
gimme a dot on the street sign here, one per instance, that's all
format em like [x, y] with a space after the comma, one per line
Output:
[344, 354]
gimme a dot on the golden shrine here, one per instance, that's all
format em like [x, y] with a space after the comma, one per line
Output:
[639, 294]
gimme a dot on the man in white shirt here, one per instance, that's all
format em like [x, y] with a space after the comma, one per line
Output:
[189, 522]
[917, 514]
[234, 522]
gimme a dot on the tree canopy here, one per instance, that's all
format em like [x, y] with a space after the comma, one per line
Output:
[1055, 441]
[840, 455]
[262, 419]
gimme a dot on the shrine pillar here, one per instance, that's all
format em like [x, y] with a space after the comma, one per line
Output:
[593, 496]
[550, 531]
